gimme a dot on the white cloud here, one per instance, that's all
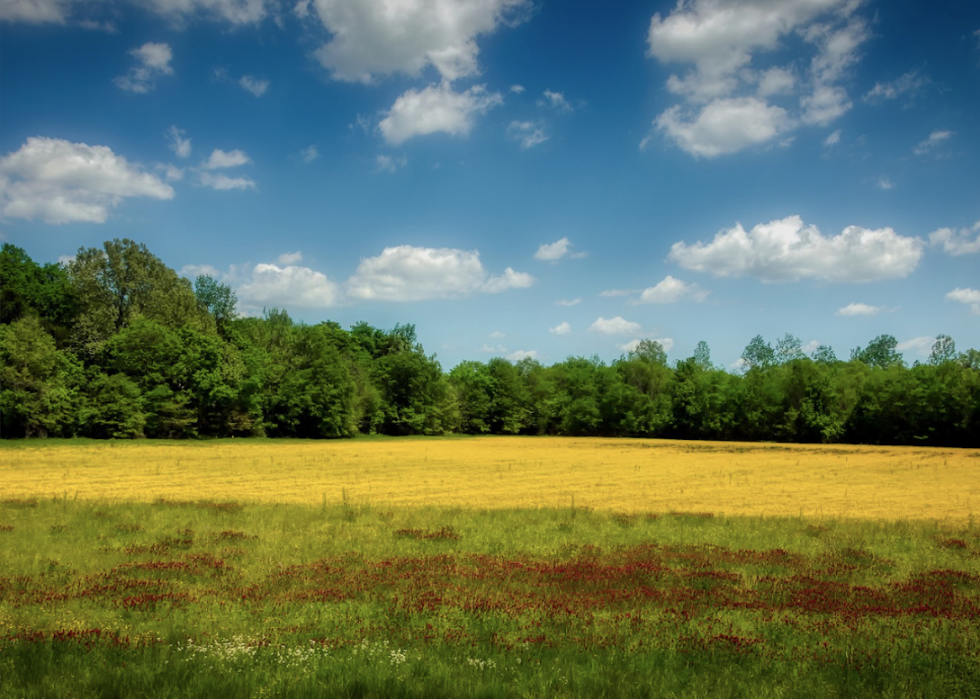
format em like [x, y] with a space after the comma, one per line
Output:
[171, 172]
[920, 345]
[776, 81]
[568, 302]
[615, 326]
[936, 138]
[859, 309]
[35, 11]
[612, 293]
[833, 139]
[221, 159]
[724, 126]
[527, 133]
[552, 252]
[407, 273]
[254, 85]
[437, 108]
[373, 38]
[970, 297]
[57, 182]
[499, 349]
[727, 100]
[517, 89]
[666, 342]
[498, 335]
[508, 280]
[178, 144]
[386, 163]
[556, 100]
[671, 290]
[910, 83]
[222, 182]
[788, 250]
[59, 11]
[522, 354]
[563, 328]
[295, 287]
[884, 183]
[152, 61]
[309, 154]
[290, 258]
[962, 242]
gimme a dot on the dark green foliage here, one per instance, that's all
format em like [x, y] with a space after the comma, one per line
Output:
[116, 344]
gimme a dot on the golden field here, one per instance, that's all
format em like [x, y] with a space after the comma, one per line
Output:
[627, 475]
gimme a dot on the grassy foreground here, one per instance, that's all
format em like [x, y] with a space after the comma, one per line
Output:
[181, 598]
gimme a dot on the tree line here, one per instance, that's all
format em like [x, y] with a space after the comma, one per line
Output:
[115, 344]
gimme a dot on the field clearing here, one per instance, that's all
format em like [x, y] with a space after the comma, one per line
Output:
[623, 475]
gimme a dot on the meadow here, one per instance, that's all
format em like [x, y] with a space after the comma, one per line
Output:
[489, 567]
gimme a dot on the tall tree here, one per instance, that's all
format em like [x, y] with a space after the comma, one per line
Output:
[216, 300]
[758, 354]
[943, 350]
[121, 281]
[880, 353]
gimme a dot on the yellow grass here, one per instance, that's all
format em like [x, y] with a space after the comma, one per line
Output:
[629, 475]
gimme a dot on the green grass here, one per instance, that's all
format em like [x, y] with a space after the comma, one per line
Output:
[205, 599]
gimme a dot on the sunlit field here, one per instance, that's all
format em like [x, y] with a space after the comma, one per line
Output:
[487, 567]
[625, 475]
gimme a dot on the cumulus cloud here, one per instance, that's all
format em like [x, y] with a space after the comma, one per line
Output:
[568, 302]
[221, 159]
[373, 38]
[522, 354]
[563, 328]
[152, 61]
[552, 252]
[859, 309]
[35, 11]
[723, 126]
[527, 133]
[295, 287]
[666, 342]
[671, 290]
[254, 85]
[727, 105]
[407, 273]
[965, 241]
[57, 182]
[920, 345]
[178, 144]
[908, 84]
[615, 326]
[290, 258]
[970, 297]
[936, 138]
[437, 108]
[788, 250]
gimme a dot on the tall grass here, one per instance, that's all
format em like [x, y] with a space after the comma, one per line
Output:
[192, 598]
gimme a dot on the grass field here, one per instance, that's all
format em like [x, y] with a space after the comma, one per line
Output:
[487, 568]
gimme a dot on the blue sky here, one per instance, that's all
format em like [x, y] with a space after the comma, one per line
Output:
[517, 177]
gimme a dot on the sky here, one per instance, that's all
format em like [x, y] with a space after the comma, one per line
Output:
[518, 178]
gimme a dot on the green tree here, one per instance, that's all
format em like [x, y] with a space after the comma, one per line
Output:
[880, 353]
[36, 397]
[216, 300]
[758, 354]
[28, 288]
[120, 282]
[943, 350]
[113, 409]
